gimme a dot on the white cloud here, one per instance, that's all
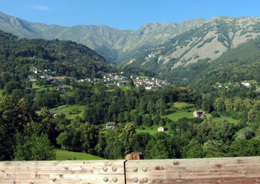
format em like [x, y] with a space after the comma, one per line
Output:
[41, 7]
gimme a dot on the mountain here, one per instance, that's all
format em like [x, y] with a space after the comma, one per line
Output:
[185, 53]
[18, 55]
[117, 46]
[212, 44]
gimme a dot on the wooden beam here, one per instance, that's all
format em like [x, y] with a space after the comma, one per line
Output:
[241, 170]
[67, 172]
[217, 170]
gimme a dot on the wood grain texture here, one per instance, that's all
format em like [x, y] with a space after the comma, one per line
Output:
[217, 170]
[189, 171]
[62, 172]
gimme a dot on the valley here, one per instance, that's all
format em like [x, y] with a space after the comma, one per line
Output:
[197, 81]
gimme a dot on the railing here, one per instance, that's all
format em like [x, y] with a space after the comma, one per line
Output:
[240, 170]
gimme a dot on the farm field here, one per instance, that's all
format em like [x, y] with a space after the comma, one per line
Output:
[69, 155]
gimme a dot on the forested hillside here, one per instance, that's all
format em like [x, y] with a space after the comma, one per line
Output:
[64, 57]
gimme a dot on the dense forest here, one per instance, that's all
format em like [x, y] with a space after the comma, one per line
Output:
[30, 131]
[64, 57]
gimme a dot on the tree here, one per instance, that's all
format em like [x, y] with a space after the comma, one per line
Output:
[244, 148]
[34, 148]
[140, 141]
[14, 116]
[10, 86]
[70, 139]
[88, 137]
[214, 148]
[192, 150]
[160, 106]
[48, 126]
[160, 147]
[147, 120]
[101, 145]
[143, 105]
[137, 120]
[254, 113]
[156, 119]
[151, 106]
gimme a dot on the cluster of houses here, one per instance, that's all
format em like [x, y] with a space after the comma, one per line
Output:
[47, 77]
[149, 83]
[44, 74]
[39, 71]
[110, 79]
[246, 84]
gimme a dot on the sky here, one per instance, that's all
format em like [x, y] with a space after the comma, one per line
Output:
[125, 14]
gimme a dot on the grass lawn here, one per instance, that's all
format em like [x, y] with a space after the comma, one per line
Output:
[177, 115]
[222, 118]
[152, 130]
[125, 88]
[183, 105]
[71, 111]
[39, 89]
[69, 155]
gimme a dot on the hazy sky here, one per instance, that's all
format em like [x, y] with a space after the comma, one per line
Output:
[125, 14]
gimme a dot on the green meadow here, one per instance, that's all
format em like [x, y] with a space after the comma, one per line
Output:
[70, 155]
[70, 111]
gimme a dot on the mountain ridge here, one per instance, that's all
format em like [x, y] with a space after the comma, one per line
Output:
[109, 42]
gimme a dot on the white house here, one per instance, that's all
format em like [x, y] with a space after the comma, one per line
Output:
[161, 129]
[110, 125]
[246, 84]
[199, 114]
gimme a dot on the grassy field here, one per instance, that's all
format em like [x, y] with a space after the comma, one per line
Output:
[183, 105]
[177, 115]
[222, 118]
[152, 130]
[126, 88]
[41, 88]
[71, 111]
[69, 155]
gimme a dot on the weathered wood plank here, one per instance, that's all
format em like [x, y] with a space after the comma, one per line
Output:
[67, 172]
[212, 171]
[218, 170]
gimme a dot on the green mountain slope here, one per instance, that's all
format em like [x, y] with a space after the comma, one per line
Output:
[236, 65]
[64, 57]
[115, 45]
[217, 44]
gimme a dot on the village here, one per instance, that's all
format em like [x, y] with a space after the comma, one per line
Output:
[109, 79]
[248, 84]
